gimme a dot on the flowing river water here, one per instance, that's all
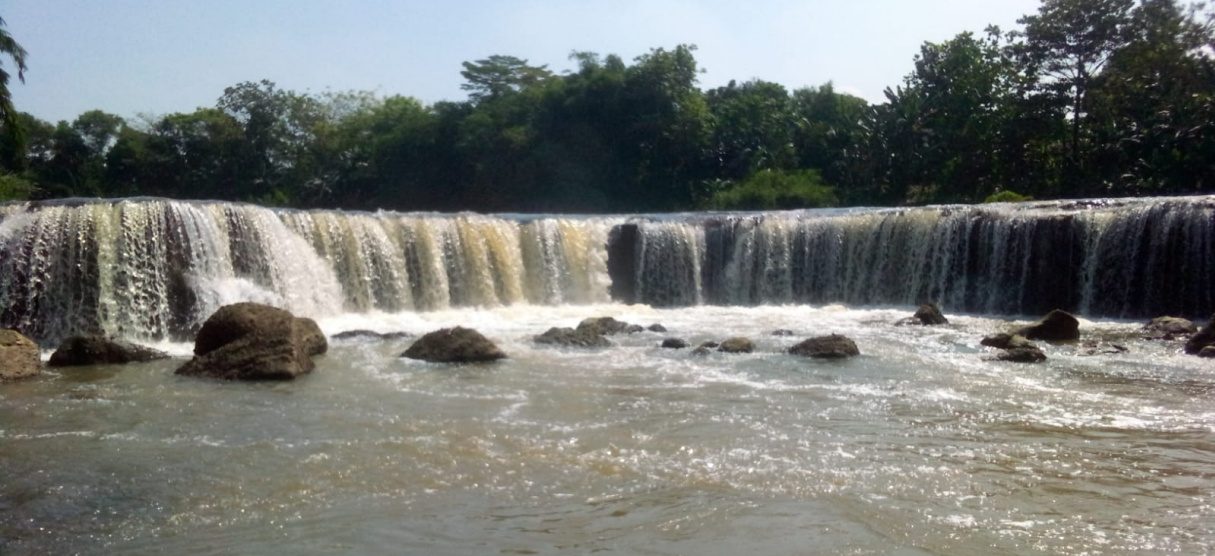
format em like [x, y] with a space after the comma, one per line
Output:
[921, 445]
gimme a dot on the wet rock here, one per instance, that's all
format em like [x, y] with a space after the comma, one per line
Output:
[1201, 339]
[1168, 328]
[370, 335]
[570, 337]
[1208, 352]
[603, 326]
[1028, 354]
[736, 345]
[1100, 348]
[834, 346]
[19, 357]
[927, 314]
[705, 348]
[1056, 326]
[454, 345]
[1006, 341]
[781, 332]
[250, 341]
[633, 329]
[99, 350]
[674, 343]
[656, 328]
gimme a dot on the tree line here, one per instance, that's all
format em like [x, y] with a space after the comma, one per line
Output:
[1084, 98]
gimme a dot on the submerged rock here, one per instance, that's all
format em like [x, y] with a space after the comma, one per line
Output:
[1100, 348]
[99, 350]
[781, 332]
[1025, 354]
[656, 328]
[1169, 327]
[736, 345]
[454, 345]
[834, 346]
[927, 314]
[571, 337]
[1056, 326]
[705, 348]
[250, 341]
[674, 343]
[370, 335]
[1208, 352]
[1202, 338]
[19, 357]
[1006, 341]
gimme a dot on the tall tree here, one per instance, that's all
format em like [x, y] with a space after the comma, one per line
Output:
[1068, 42]
[10, 48]
[498, 75]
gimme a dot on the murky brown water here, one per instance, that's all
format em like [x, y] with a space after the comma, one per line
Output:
[918, 446]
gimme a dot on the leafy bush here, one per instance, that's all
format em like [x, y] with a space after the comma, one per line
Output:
[775, 190]
[13, 187]
[1007, 196]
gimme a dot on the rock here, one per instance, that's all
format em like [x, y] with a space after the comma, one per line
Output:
[1027, 354]
[1168, 327]
[781, 332]
[930, 315]
[705, 348]
[570, 337]
[370, 335]
[1056, 326]
[656, 328]
[19, 357]
[249, 341]
[674, 343]
[1006, 341]
[99, 350]
[603, 326]
[834, 346]
[633, 329]
[1202, 338]
[454, 345]
[736, 345]
[1098, 348]
[1208, 352]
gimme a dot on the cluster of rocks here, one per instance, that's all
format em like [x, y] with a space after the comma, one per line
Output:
[249, 341]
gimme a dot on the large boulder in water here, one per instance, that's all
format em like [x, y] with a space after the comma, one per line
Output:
[736, 345]
[674, 343]
[834, 346]
[1168, 328]
[1056, 326]
[607, 326]
[581, 337]
[99, 350]
[249, 341]
[927, 314]
[454, 345]
[1024, 354]
[1202, 339]
[19, 356]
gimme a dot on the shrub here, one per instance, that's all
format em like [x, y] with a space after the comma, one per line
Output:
[1007, 196]
[775, 190]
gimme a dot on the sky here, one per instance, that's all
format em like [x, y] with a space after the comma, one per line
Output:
[154, 57]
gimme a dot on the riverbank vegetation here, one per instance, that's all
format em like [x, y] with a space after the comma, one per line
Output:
[1084, 98]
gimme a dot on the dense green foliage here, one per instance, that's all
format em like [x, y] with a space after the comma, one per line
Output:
[1087, 98]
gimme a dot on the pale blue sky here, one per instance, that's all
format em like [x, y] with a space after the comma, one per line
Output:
[134, 57]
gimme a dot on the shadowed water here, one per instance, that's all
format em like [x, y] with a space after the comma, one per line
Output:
[918, 446]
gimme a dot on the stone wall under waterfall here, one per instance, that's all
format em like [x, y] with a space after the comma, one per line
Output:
[154, 268]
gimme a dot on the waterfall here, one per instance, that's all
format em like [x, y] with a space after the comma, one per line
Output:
[155, 269]
[1113, 258]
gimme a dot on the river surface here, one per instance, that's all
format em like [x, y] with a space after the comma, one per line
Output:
[919, 446]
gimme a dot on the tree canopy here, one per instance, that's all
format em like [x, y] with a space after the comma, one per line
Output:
[1087, 97]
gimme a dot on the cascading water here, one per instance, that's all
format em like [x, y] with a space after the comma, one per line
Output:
[154, 269]
[1120, 258]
